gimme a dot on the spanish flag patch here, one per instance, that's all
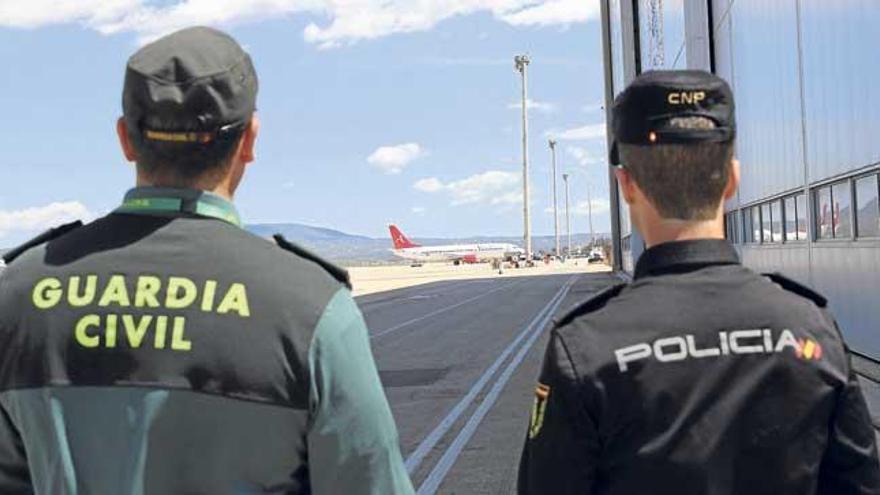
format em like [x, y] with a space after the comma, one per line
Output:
[542, 392]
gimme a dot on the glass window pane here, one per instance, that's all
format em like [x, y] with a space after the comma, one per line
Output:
[776, 220]
[841, 195]
[737, 227]
[801, 217]
[823, 214]
[765, 223]
[868, 210]
[747, 225]
[756, 224]
[790, 219]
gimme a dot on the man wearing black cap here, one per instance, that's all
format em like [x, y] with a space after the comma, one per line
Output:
[700, 376]
[164, 350]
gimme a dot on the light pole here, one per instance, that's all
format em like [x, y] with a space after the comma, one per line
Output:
[567, 214]
[590, 213]
[521, 62]
[555, 206]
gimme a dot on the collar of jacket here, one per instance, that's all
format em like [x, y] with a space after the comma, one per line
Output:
[166, 201]
[678, 256]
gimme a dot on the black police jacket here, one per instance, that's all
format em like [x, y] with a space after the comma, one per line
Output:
[699, 377]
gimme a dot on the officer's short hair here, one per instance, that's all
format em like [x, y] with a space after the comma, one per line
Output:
[186, 163]
[684, 181]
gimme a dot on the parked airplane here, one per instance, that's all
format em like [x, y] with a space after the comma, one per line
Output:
[458, 253]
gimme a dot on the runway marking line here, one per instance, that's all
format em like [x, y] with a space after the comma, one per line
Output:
[444, 465]
[441, 310]
[414, 460]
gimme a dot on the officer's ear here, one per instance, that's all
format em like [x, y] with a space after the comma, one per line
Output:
[248, 141]
[125, 140]
[732, 179]
[627, 184]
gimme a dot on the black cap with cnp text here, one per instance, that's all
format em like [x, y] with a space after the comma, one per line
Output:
[191, 86]
[642, 114]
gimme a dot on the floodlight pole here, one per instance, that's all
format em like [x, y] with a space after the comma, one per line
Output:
[567, 214]
[555, 205]
[590, 213]
[521, 62]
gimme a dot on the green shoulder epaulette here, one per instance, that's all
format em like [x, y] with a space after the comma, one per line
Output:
[43, 238]
[336, 272]
[801, 290]
[591, 304]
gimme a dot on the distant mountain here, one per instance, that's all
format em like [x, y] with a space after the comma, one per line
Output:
[299, 232]
[355, 249]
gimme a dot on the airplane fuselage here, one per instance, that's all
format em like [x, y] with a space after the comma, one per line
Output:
[453, 252]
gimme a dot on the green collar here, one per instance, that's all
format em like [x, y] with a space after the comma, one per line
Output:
[165, 201]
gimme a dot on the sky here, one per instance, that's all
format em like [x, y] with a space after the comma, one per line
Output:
[372, 111]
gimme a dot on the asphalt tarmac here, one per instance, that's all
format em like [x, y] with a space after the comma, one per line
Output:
[459, 361]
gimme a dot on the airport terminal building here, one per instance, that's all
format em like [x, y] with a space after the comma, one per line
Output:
[808, 114]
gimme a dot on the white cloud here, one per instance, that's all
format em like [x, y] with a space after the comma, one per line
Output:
[430, 185]
[539, 106]
[393, 159]
[418, 210]
[582, 156]
[42, 217]
[600, 205]
[347, 21]
[494, 187]
[584, 133]
[553, 12]
[581, 209]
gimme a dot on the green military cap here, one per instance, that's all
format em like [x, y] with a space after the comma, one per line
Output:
[191, 86]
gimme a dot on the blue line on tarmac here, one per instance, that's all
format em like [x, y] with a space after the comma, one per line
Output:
[435, 478]
[424, 448]
[395, 328]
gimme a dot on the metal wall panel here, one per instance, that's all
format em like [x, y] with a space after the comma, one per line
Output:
[849, 276]
[793, 260]
[697, 47]
[841, 65]
[766, 85]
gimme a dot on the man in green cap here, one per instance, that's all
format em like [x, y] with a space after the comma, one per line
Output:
[162, 349]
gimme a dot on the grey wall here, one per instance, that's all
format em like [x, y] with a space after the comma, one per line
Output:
[802, 72]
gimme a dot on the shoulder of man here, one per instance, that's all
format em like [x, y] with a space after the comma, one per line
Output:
[339, 274]
[10, 256]
[590, 305]
[797, 288]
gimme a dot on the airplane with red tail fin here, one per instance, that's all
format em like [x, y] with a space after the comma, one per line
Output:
[458, 253]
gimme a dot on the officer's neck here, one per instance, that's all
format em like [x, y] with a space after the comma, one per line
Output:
[658, 230]
[221, 188]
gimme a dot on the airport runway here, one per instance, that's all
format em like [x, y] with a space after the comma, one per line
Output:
[459, 361]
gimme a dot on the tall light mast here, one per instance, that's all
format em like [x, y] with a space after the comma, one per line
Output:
[567, 214]
[555, 203]
[521, 62]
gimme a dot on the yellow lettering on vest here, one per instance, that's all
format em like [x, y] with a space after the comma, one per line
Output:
[110, 331]
[674, 99]
[161, 330]
[235, 300]
[181, 293]
[82, 337]
[74, 297]
[115, 293]
[208, 295]
[178, 339]
[136, 331]
[147, 294]
[47, 293]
